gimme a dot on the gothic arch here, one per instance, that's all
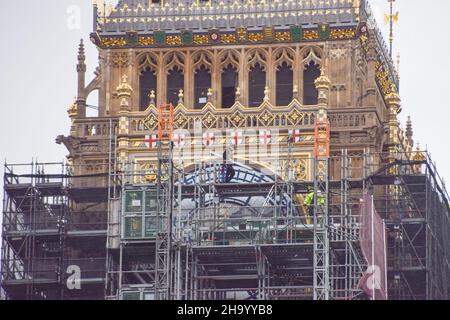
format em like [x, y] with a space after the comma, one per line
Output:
[202, 58]
[202, 68]
[257, 56]
[227, 57]
[147, 60]
[311, 54]
[282, 55]
[174, 59]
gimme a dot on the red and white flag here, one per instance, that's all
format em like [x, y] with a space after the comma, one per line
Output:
[208, 139]
[237, 137]
[295, 135]
[151, 141]
[179, 140]
[265, 137]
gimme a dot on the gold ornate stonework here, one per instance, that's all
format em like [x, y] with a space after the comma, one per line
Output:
[342, 49]
[146, 41]
[113, 42]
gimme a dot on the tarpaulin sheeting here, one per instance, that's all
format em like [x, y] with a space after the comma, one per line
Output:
[373, 245]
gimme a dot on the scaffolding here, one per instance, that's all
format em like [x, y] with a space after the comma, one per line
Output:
[224, 248]
[239, 239]
[187, 232]
[413, 199]
[193, 234]
[250, 238]
[45, 234]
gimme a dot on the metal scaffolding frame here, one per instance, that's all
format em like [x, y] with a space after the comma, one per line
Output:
[223, 245]
[265, 251]
[413, 199]
[41, 228]
[192, 235]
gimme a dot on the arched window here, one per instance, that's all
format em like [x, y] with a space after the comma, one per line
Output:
[229, 84]
[175, 83]
[202, 80]
[147, 83]
[285, 79]
[256, 85]
[310, 74]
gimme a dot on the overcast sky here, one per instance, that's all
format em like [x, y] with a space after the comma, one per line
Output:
[38, 77]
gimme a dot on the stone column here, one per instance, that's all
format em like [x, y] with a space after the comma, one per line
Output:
[409, 137]
[81, 92]
[243, 79]
[323, 87]
[393, 103]
[124, 91]
[371, 72]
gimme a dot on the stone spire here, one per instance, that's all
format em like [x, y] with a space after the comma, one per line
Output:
[409, 133]
[418, 155]
[393, 102]
[81, 67]
[81, 92]
[323, 84]
[124, 91]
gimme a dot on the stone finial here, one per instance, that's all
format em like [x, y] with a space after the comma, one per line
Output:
[238, 94]
[295, 90]
[72, 110]
[180, 96]
[323, 86]
[81, 53]
[209, 94]
[124, 89]
[418, 154]
[266, 93]
[152, 96]
[81, 66]
[393, 102]
[409, 133]
[393, 99]
[322, 82]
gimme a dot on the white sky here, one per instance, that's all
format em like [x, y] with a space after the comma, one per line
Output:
[38, 77]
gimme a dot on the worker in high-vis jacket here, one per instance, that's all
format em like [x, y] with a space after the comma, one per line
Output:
[309, 201]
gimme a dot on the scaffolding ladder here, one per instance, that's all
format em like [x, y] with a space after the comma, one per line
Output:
[321, 231]
[165, 200]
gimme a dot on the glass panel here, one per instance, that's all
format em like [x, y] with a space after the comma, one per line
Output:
[202, 84]
[131, 296]
[256, 86]
[285, 78]
[150, 202]
[311, 73]
[150, 227]
[229, 82]
[175, 82]
[133, 227]
[133, 202]
[148, 83]
[149, 296]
